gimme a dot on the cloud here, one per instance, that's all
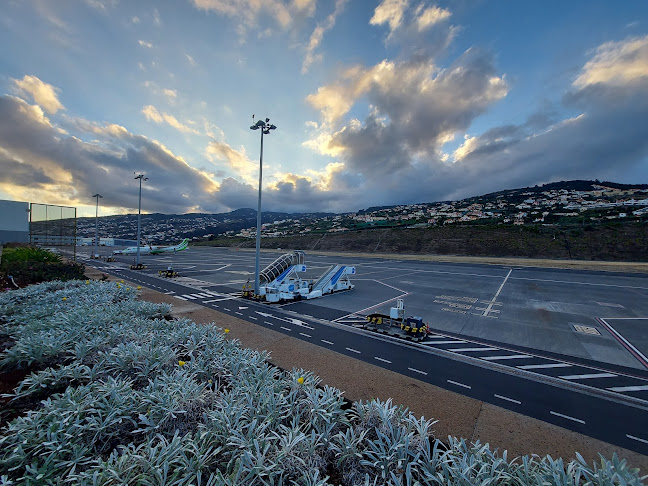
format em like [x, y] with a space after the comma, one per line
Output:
[318, 34]
[237, 160]
[43, 94]
[190, 59]
[249, 13]
[390, 12]
[135, 19]
[171, 94]
[151, 113]
[145, 44]
[39, 164]
[431, 16]
[616, 64]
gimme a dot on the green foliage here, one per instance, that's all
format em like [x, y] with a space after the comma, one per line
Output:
[128, 396]
[28, 265]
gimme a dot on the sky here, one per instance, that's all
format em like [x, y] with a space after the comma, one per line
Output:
[376, 103]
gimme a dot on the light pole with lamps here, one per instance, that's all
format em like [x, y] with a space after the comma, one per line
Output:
[265, 127]
[139, 217]
[96, 255]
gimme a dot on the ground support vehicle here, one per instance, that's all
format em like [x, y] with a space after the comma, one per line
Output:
[396, 324]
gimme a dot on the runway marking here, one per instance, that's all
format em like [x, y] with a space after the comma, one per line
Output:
[239, 313]
[372, 307]
[304, 334]
[189, 296]
[639, 356]
[636, 438]
[459, 384]
[178, 297]
[353, 350]
[225, 308]
[444, 342]
[286, 328]
[490, 305]
[567, 417]
[580, 283]
[327, 342]
[508, 399]
[382, 359]
[542, 366]
[510, 356]
[471, 300]
[607, 304]
[462, 350]
[269, 323]
[590, 376]
[628, 388]
[417, 371]
[252, 317]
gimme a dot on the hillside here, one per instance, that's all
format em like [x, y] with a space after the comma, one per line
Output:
[612, 242]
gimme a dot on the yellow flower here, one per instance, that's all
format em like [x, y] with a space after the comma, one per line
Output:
[226, 331]
[64, 298]
[127, 288]
[118, 286]
[182, 363]
[87, 282]
[300, 380]
[139, 287]
[209, 381]
[122, 281]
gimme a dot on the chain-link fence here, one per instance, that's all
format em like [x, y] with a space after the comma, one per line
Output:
[51, 225]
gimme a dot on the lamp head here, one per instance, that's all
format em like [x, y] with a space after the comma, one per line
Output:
[267, 120]
[272, 127]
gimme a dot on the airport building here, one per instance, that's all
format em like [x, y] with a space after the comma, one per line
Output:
[14, 221]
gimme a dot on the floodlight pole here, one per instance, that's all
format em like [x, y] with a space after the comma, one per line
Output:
[97, 225]
[139, 216]
[265, 127]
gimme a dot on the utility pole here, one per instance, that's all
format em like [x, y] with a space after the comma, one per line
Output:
[96, 255]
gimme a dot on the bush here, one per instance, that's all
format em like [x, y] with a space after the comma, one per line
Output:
[126, 396]
[30, 265]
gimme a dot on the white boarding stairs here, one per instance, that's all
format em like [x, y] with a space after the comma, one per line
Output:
[336, 278]
[280, 281]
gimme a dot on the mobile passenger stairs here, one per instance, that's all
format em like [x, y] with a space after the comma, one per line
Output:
[396, 324]
[280, 281]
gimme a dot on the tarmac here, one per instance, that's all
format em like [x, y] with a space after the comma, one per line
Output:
[457, 415]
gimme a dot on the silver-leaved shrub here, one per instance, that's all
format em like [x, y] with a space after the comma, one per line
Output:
[120, 394]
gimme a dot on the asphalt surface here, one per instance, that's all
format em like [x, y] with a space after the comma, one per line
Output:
[529, 357]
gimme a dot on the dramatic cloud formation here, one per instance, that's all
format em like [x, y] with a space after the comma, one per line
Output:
[71, 170]
[42, 93]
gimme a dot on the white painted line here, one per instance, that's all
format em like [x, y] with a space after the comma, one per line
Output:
[189, 296]
[178, 297]
[636, 438]
[443, 342]
[417, 371]
[304, 334]
[239, 313]
[542, 366]
[567, 417]
[508, 399]
[459, 384]
[252, 317]
[585, 377]
[286, 328]
[269, 323]
[210, 301]
[199, 296]
[327, 342]
[225, 308]
[510, 356]
[382, 359]
[462, 350]
[628, 388]
[490, 305]
[353, 350]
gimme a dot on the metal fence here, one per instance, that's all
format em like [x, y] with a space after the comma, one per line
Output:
[51, 225]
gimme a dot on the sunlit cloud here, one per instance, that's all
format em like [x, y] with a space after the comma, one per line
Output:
[151, 113]
[45, 95]
[318, 34]
[145, 44]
